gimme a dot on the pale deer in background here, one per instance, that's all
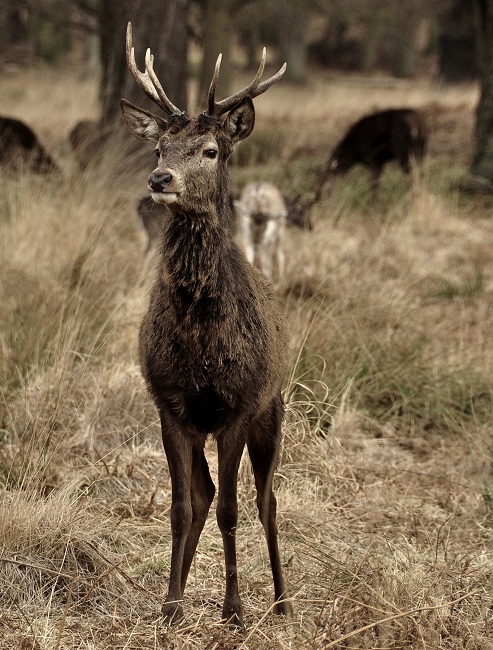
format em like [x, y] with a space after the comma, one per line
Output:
[262, 218]
[213, 342]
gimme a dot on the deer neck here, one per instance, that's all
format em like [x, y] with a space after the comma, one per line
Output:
[195, 251]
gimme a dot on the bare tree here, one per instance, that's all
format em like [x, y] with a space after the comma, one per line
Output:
[281, 23]
[217, 37]
[163, 26]
[482, 164]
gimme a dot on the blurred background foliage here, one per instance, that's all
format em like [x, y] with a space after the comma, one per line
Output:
[360, 35]
[445, 40]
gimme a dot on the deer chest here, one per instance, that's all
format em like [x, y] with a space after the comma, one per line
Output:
[205, 374]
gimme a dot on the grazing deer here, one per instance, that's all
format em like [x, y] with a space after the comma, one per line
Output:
[19, 145]
[299, 206]
[299, 210]
[213, 343]
[394, 134]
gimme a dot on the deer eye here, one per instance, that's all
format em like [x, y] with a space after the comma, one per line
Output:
[210, 153]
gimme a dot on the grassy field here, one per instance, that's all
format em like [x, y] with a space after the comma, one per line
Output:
[385, 484]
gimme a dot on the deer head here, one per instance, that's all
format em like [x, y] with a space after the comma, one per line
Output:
[192, 152]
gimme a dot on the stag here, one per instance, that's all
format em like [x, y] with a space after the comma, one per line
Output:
[212, 344]
[395, 134]
[262, 217]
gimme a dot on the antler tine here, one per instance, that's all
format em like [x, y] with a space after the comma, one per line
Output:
[212, 87]
[254, 89]
[142, 79]
[265, 85]
[148, 80]
[163, 97]
[260, 70]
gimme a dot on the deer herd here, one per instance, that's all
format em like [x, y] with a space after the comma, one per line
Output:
[262, 212]
[213, 343]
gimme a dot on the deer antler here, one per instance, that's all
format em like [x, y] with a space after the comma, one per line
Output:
[148, 80]
[254, 89]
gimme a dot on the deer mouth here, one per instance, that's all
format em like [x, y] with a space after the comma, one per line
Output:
[165, 197]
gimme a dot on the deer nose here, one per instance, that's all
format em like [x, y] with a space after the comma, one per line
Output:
[159, 181]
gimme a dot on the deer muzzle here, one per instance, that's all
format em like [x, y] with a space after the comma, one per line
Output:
[159, 181]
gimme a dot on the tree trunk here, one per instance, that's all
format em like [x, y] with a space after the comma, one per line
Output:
[293, 47]
[482, 164]
[218, 29]
[457, 43]
[404, 50]
[160, 26]
[370, 47]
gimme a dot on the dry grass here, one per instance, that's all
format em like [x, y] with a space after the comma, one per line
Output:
[385, 484]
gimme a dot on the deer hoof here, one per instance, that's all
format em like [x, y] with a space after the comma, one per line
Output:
[233, 619]
[172, 613]
[285, 608]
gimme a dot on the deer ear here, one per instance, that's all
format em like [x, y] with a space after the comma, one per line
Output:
[240, 121]
[142, 124]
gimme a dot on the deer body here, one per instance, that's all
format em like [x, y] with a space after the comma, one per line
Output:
[395, 134]
[19, 145]
[212, 343]
[223, 353]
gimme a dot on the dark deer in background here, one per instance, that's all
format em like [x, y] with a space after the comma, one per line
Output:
[20, 146]
[376, 139]
[151, 217]
[213, 343]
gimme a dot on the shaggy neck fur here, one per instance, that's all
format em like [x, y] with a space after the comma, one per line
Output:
[197, 247]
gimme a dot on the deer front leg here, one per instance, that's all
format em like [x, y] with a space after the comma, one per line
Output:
[375, 182]
[227, 518]
[245, 222]
[179, 454]
[268, 247]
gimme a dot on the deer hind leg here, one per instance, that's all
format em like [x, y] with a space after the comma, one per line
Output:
[263, 445]
[281, 260]
[230, 449]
